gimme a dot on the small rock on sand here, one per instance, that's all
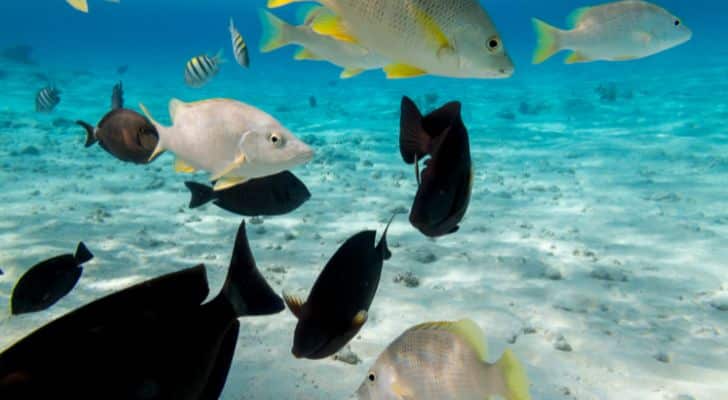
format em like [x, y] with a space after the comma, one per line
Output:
[423, 255]
[663, 357]
[561, 344]
[407, 279]
[606, 274]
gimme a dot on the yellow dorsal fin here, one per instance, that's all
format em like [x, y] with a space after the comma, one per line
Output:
[466, 329]
[182, 167]
[399, 71]
[350, 72]
[281, 3]
[228, 182]
[576, 57]
[80, 5]
[328, 24]
[305, 54]
[433, 30]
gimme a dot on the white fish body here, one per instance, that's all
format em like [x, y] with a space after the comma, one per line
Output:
[231, 140]
[618, 31]
[353, 57]
[454, 38]
[443, 360]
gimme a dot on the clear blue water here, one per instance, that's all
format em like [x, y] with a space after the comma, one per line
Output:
[571, 191]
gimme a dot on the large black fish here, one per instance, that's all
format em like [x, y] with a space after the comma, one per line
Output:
[446, 182]
[272, 195]
[339, 302]
[49, 281]
[125, 134]
[152, 341]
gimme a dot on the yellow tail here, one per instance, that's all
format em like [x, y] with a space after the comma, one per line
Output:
[514, 377]
[275, 32]
[80, 5]
[281, 3]
[547, 38]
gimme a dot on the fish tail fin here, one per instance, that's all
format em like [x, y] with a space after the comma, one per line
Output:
[83, 254]
[245, 288]
[382, 246]
[548, 41]
[281, 3]
[80, 5]
[514, 377]
[276, 32]
[117, 96]
[160, 128]
[201, 194]
[90, 134]
[414, 141]
[220, 57]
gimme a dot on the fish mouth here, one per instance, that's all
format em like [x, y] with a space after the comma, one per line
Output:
[304, 156]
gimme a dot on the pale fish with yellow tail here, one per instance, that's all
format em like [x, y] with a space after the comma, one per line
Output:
[232, 141]
[454, 38]
[82, 5]
[443, 360]
[353, 58]
[619, 31]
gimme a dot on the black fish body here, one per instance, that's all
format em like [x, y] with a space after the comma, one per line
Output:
[277, 194]
[47, 282]
[445, 186]
[339, 301]
[153, 341]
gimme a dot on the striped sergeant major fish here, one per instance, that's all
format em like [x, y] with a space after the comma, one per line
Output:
[201, 69]
[47, 99]
[240, 48]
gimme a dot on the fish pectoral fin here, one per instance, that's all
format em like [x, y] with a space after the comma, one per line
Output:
[433, 31]
[576, 57]
[228, 182]
[643, 37]
[360, 319]
[158, 151]
[305, 54]
[350, 72]
[401, 71]
[402, 391]
[237, 163]
[295, 304]
[332, 25]
[182, 167]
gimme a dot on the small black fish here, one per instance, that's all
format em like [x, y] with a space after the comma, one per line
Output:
[271, 195]
[123, 133]
[46, 283]
[312, 102]
[47, 99]
[122, 70]
[152, 341]
[339, 302]
[446, 182]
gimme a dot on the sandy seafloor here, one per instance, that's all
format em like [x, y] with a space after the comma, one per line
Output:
[595, 226]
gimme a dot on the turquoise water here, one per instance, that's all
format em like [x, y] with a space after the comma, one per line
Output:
[596, 220]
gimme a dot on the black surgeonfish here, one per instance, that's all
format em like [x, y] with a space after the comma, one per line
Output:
[152, 341]
[125, 134]
[49, 281]
[446, 182]
[339, 302]
[271, 195]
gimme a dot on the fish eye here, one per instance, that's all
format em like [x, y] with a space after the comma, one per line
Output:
[276, 139]
[677, 22]
[372, 377]
[494, 44]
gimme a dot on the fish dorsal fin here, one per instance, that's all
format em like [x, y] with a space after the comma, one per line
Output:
[82, 254]
[350, 72]
[400, 71]
[175, 105]
[577, 16]
[432, 29]
[305, 54]
[306, 15]
[180, 166]
[329, 24]
[576, 57]
[465, 329]
[296, 305]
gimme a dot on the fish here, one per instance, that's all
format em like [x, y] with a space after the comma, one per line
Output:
[454, 38]
[122, 69]
[200, 70]
[240, 48]
[231, 140]
[617, 31]
[272, 195]
[49, 281]
[123, 133]
[82, 5]
[156, 340]
[47, 99]
[443, 360]
[338, 304]
[353, 58]
[446, 183]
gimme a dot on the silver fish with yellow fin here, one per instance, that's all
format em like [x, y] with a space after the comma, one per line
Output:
[443, 361]
[233, 141]
[454, 38]
[618, 31]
